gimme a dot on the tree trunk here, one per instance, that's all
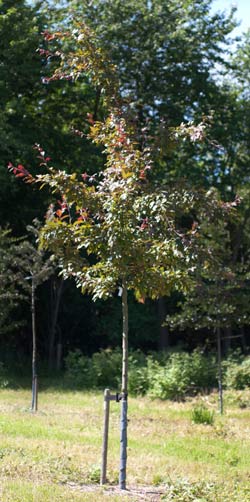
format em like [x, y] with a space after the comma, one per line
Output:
[124, 393]
[55, 308]
[163, 330]
[34, 362]
[219, 370]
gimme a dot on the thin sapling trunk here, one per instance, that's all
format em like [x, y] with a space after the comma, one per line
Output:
[34, 362]
[124, 393]
[219, 370]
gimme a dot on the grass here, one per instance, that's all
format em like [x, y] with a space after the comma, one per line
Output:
[201, 415]
[54, 455]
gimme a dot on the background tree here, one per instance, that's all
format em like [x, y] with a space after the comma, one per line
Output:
[227, 169]
[28, 107]
[218, 298]
[33, 268]
[166, 72]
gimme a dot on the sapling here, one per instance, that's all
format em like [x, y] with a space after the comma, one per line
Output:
[33, 268]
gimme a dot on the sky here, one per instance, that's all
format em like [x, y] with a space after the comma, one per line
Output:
[243, 12]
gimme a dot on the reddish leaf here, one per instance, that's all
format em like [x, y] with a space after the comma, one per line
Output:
[142, 174]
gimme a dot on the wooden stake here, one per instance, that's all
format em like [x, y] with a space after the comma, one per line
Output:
[103, 479]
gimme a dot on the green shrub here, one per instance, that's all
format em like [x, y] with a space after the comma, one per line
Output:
[107, 368]
[138, 381]
[138, 373]
[182, 374]
[201, 415]
[166, 382]
[238, 375]
[160, 375]
[103, 369]
[202, 370]
[79, 370]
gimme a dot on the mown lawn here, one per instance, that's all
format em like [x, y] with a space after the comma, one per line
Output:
[54, 455]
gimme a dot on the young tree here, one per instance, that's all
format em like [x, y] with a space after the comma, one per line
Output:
[218, 298]
[32, 269]
[119, 228]
[22, 269]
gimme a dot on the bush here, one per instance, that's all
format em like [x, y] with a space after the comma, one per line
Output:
[166, 382]
[107, 368]
[138, 373]
[138, 382]
[238, 375]
[182, 374]
[102, 370]
[160, 375]
[79, 370]
[202, 370]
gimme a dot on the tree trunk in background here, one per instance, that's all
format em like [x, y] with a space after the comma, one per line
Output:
[56, 298]
[124, 393]
[218, 330]
[34, 354]
[163, 330]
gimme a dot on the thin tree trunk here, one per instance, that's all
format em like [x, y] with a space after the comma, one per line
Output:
[219, 371]
[34, 368]
[124, 394]
[56, 305]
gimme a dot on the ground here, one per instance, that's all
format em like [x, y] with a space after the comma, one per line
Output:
[54, 455]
